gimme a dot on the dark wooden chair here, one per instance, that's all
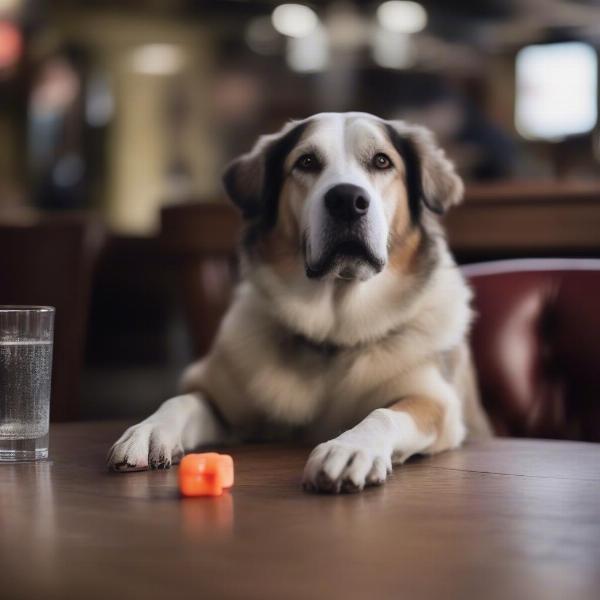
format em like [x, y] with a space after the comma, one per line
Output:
[199, 241]
[50, 261]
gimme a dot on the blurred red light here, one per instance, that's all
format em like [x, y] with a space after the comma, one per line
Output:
[11, 45]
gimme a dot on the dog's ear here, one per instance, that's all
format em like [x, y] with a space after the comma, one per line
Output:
[253, 181]
[430, 177]
[243, 179]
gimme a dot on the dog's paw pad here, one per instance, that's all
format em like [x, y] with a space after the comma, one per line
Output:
[324, 483]
[144, 446]
[160, 463]
[341, 467]
[349, 487]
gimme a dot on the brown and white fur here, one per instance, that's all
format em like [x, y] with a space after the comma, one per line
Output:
[349, 327]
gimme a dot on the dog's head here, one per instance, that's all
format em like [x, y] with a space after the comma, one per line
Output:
[340, 194]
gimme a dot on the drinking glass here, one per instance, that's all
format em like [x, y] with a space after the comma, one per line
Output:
[26, 336]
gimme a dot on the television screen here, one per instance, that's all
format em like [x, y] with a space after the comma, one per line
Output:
[556, 90]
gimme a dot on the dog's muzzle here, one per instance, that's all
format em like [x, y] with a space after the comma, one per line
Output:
[345, 250]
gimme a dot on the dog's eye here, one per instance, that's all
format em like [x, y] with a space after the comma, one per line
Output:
[382, 161]
[308, 162]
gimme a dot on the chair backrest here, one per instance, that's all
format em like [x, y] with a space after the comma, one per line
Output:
[49, 261]
[199, 241]
[536, 343]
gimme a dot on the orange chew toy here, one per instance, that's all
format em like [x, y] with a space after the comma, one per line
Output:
[205, 474]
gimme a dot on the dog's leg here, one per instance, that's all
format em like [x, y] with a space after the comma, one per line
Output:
[180, 424]
[364, 455]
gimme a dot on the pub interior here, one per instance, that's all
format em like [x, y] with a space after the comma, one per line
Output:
[117, 119]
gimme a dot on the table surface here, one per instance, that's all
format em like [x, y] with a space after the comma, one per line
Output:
[498, 519]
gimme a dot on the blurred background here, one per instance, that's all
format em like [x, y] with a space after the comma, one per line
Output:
[116, 119]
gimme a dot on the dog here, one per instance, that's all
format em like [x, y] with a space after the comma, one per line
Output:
[349, 329]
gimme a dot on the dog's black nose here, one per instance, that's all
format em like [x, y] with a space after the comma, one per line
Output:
[347, 202]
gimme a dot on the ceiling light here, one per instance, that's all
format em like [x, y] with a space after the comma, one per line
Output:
[308, 54]
[157, 59]
[393, 50]
[402, 17]
[294, 20]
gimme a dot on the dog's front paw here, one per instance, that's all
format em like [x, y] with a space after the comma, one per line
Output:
[345, 466]
[145, 446]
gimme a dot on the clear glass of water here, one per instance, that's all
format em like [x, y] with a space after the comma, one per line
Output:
[26, 336]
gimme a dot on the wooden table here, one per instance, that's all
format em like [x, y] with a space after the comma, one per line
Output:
[503, 519]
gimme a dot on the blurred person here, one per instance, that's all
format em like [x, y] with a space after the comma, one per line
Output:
[480, 148]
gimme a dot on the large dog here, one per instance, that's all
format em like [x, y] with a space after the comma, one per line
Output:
[349, 327]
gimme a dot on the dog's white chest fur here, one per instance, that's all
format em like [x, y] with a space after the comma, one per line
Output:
[260, 367]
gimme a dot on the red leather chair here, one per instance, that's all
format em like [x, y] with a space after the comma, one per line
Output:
[536, 343]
